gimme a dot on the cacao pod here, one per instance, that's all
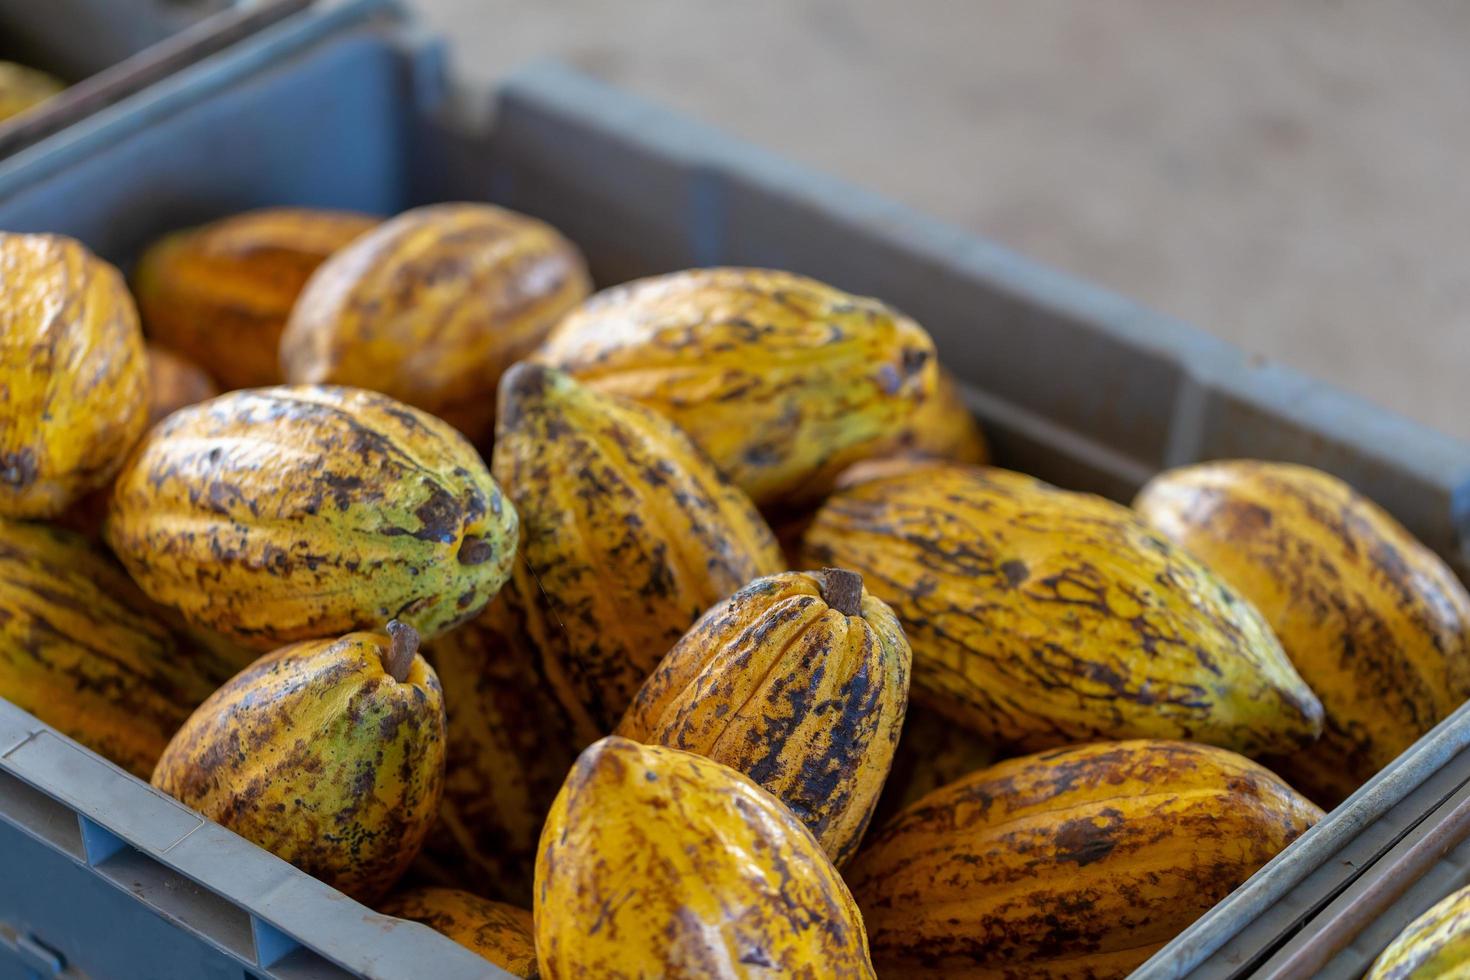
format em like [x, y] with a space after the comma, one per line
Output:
[433, 306]
[509, 750]
[1435, 945]
[629, 535]
[779, 378]
[799, 681]
[220, 294]
[932, 752]
[280, 514]
[78, 652]
[73, 379]
[328, 753]
[943, 428]
[174, 382]
[1374, 621]
[501, 933]
[657, 862]
[1077, 862]
[1040, 617]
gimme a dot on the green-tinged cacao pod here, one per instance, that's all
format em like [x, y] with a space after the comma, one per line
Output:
[281, 514]
[799, 681]
[628, 534]
[1435, 946]
[1040, 617]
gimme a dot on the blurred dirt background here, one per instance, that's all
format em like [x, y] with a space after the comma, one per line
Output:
[1289, 176]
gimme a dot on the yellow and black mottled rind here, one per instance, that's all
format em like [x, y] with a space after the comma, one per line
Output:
[1076, 862]
[79, 650]
[433, 306]
[288, 513]
[629, 535]
[1041, 617]
[1375, 622]
[779, 378]
[660, 863]
[509, 750]
[1435, 946]
[501, 933]
[220, 294]
[317, 753]
[783, 683]
[73, 378]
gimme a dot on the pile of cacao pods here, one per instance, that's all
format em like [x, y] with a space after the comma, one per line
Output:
[582, 709]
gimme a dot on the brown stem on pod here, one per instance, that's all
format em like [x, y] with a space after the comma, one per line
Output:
[402, 648]
[842, 590]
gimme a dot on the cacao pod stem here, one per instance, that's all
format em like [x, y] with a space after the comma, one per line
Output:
[842, 590]
[402, 649]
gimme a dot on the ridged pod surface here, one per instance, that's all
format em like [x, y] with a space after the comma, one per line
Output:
[800, 681]
[1374, 621]
[1435, 946]
[433, 306]
[780, 379]
[501, 933]
[509, 750]
[329, 754]
[660, 863]
[220, 294]
[288, 513]
[1040, 617]
[932, 752]
[628, 533]
[78, 652]
[73, 378]
[23, 88]
[174, 381]
[1078, 862]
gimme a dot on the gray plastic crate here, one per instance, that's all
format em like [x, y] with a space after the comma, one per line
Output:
[108, 49]
[1075, 385]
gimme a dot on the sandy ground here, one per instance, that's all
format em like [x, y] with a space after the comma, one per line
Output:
[1289, 176]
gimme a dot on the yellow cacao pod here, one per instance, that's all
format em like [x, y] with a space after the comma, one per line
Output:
[22, 88]
[1078, 862]
[509, 750]
[280, 514]
[629, 534]
[501, 933]
[220, 294]
[1040, 617]
[78, 651]
[660, 863]
[800, 681]
[329, 754]
[779, 378]
[1435, 946]
[174, 381]
[73, 378]
[433, 306]
[1373, 620]
[932, 752]
[943, 428]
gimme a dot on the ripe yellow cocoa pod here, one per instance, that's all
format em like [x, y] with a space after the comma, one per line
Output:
[628, 533]
[1040, 617]
[22, 88]
[780, 379]
[433, 306]
[1077, 862]
[501, 933]
[220, 294]
[174, 381]
[943, 427]
[79, 651]
[799, 681]
[509, 750]
[1435, 946]
[329, 754]
[73, 379]
[279, 514]
[660, 863]
[932, 752]
[1375, 622]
